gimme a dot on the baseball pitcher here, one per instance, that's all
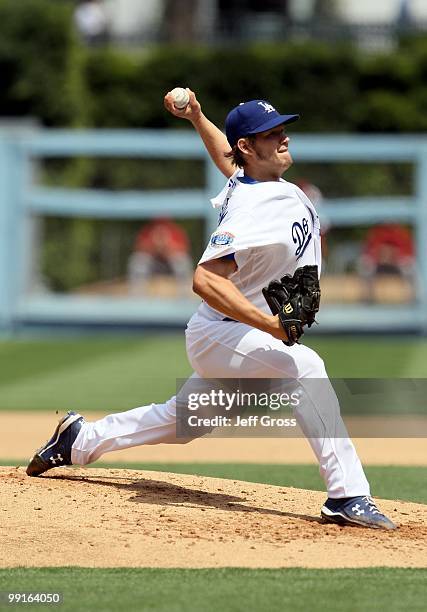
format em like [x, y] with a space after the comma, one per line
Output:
[259, 283]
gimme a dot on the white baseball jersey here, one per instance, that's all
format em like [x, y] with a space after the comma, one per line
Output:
[271, 228]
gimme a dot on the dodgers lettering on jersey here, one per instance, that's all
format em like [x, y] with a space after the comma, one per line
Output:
[271, 228]
[301, 235]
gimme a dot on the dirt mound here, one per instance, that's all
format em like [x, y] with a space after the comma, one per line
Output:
[127, 518]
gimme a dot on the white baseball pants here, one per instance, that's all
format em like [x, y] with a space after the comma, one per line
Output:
[227, 349]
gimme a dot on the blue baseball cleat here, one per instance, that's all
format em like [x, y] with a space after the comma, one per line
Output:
[360, 511]
[57, 451]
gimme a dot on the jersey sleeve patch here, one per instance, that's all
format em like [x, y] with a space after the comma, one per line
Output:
[221, 239]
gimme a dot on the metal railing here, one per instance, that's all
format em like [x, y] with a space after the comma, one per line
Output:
[21, 200]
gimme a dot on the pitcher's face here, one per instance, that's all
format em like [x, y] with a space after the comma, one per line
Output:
[267, 153]
[273, 146]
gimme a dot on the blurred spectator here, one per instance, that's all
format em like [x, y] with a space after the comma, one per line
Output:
[388, 250]
[180, 20]
[161, 248]
[91, 20]
[135, 21]
[404, 17]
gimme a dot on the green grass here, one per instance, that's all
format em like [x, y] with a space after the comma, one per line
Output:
[107, 374]
[374, 357]
[225, 590]
[116, 373]
[407, 483]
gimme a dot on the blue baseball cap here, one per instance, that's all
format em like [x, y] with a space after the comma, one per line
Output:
[253, 117]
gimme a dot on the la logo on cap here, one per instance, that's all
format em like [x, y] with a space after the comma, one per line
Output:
[267, 107]
[253, 117]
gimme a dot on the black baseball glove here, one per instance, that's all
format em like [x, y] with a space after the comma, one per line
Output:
[296, 300]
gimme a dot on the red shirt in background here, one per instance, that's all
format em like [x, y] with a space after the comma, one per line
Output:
[162, 238]
[392, 243]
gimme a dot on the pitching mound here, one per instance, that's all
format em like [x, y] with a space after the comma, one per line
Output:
[113, 518]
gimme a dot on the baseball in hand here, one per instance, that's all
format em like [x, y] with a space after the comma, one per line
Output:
[180, 97]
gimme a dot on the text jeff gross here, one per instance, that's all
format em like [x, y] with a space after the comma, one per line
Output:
[250, 421]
